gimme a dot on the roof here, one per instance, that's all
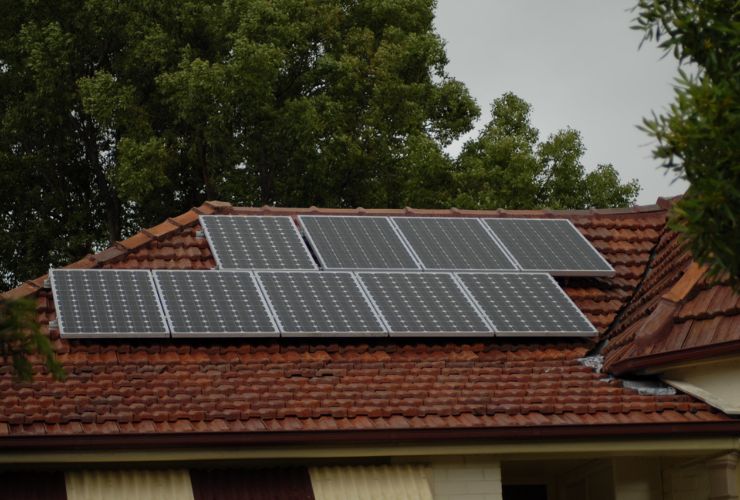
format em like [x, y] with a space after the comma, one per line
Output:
[678, 315]
[259, 389]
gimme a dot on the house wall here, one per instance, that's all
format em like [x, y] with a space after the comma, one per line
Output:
[685, 480]
[591, 481]
[637, 478]
[466, 478]
[711, 478]
[480, 478]
[713, 382]
[632, 478]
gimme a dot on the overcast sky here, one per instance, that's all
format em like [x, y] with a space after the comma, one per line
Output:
[577, 62]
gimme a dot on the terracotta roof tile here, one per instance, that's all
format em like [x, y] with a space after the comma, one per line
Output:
[689, 305]
[534, 382]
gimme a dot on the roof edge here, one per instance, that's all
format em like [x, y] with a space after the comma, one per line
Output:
[379, 436]
[652, 362]
[453, 211]
[659, 323]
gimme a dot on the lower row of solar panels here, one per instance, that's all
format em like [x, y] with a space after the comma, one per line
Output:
[224, 303]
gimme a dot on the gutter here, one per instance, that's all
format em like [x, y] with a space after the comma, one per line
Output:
[222, 450]
[353, 437]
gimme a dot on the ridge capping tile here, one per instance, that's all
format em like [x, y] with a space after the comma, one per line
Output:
[205, 209]
[218, 205]
[161, 230]
[138, 240]
[23, 290]
[174, 222]
[111, 253]
[686, 283]
[186, 218]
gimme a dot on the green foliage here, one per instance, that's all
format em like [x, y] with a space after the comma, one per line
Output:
[507, 167]
[115, 115]
[699, 136]
[21, 338]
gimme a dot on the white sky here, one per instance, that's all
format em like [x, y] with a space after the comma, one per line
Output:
[577, 62]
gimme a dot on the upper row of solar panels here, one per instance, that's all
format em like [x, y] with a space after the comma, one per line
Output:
[554, 246]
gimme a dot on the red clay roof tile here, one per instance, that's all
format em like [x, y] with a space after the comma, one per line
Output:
[677, 289]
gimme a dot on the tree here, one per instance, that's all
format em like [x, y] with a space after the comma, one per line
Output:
[699, 136]
[115, 115]
[507, 167]
[21, 339]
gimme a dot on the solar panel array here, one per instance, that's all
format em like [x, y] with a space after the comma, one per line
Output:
[107, 303]
[269, 242]
[549, 245]
[397, 276]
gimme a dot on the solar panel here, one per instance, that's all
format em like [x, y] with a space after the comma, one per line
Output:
[549, 245]
[526, 304]
[319, 303]
[452, 243]
[351, 242]
[214, 304]
[107, 303]
[423, 304]
[256, 242]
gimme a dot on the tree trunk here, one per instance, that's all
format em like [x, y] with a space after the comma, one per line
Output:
[106, 191]
[211, 193]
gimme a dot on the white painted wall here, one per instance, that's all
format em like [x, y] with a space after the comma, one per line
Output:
[713, 382]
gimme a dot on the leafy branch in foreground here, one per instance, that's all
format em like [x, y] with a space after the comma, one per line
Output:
[699, 135]
[21, 338]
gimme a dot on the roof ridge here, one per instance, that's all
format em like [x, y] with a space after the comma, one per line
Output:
[658, 323]
[452, 211]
